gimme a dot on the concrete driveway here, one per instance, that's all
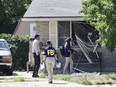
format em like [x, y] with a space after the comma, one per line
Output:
[38, 82]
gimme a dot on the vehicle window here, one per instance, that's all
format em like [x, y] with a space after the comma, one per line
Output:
[3, 45]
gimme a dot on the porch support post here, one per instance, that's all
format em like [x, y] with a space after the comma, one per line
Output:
[53, 33]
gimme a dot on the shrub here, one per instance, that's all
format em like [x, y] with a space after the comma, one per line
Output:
[20, 56]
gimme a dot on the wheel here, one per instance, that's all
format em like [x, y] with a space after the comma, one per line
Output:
[9, 71]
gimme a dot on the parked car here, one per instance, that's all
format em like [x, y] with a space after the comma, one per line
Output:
[5, 58]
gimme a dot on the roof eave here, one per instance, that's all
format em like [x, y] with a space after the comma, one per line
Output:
[58, 18]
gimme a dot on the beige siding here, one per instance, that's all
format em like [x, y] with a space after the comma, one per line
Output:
[43, 30]
[23, 28]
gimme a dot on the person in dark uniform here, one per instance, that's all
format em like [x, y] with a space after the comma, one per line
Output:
[51, 56]
[67, 55]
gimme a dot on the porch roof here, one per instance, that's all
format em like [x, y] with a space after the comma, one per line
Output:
[54, 9]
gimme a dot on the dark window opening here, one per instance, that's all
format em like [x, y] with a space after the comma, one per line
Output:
[82, 30]
[63, 31]
[79, 28]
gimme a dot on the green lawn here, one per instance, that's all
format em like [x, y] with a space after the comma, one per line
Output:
[87, 78]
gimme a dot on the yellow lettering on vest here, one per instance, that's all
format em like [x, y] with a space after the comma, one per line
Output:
[50, 52]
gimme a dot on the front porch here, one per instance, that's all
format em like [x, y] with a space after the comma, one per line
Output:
[57, 32]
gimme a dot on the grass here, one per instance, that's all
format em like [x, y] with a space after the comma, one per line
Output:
[43, 75]
[19, 79]
[87, 78]
[16, 79]
[62, 77]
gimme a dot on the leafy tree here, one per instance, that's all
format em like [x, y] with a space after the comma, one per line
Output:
[10, 12]
[20, 55]
[102, 15]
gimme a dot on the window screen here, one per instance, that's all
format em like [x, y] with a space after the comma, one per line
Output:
[63, 31]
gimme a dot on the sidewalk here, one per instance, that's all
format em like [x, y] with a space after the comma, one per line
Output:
[40, 82]
[35, 82]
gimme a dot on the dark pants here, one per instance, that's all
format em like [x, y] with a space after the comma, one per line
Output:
[36, 64]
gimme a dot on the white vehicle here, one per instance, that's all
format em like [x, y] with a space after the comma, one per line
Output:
[5, 58]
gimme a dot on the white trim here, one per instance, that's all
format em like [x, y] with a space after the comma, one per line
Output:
[57, 35]
[50, 30]
[71, 30]
[7, 64]
[52, 19]
[32, 30]
[51, 23]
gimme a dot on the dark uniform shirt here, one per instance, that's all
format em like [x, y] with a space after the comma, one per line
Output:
[67, 49]
[50, 51]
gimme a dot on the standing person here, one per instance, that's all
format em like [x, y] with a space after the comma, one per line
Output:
[36, 55]
[50, 54]
[67, 55]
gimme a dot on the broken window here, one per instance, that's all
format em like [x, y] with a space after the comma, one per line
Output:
[63, 31]
[76, 28]
[82, 30]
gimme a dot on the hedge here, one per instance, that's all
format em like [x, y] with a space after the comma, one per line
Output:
[20, 56]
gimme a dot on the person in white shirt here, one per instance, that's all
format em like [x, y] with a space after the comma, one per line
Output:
[36, 55]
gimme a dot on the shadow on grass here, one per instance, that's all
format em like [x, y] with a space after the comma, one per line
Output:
[3, 74]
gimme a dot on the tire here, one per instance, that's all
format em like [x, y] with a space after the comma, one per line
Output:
[9, 72]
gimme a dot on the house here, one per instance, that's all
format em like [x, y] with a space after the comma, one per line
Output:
[56, 20]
